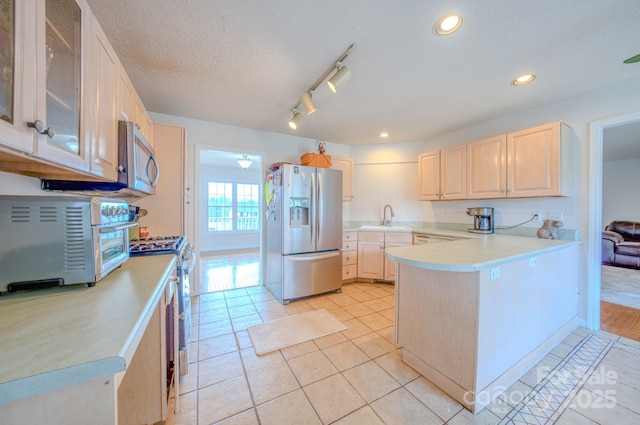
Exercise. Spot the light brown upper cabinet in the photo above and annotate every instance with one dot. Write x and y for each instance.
(525, 163)
(534, 162)
(487, 162)
(346, 165)
(538, 161)
(59, 93)
(443, 173)
(104, 128)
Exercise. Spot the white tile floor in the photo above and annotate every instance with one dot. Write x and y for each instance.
(357, 377)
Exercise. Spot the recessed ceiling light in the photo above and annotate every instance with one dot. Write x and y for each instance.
(523, 79)
(384, 134)
(447, 24)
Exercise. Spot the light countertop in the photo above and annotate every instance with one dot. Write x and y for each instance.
(57, 337)
(475, 253)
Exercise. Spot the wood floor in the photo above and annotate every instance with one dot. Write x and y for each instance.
(620, 320)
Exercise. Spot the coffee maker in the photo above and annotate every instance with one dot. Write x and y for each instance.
(482, 219)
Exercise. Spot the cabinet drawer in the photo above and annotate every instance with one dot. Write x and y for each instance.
(371, 236)
(349, 272)
(349, 258)
(349, 236)
(349, 245)
(398, 237)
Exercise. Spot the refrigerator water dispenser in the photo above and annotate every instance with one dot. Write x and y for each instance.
(298, 211)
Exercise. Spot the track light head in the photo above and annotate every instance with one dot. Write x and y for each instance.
(339, 78)
(307, 102)
(295, 120)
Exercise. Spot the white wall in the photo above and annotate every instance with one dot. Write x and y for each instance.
(621, 190)
(211, 241)
(385, 174)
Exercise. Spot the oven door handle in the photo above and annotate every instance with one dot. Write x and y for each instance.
(108, 229)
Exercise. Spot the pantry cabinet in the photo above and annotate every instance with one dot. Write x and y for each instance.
(171, 192)
(442, 174)
(346, 166)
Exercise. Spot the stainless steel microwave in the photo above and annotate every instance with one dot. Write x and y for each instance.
(138, 170)
(58, 241)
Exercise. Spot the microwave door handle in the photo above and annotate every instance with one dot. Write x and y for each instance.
(155, 180)
(108, 229)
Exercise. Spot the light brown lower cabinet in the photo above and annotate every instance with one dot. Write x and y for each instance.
(143, 392)
(372, 264)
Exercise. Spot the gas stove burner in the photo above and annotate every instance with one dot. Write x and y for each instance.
(157, 245)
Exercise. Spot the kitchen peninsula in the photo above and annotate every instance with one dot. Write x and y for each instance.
(76, 354)
(473, 315)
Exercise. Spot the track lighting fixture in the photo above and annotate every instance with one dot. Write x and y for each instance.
(307, 102)
(295, 119)
(244, 161)
(342, 75)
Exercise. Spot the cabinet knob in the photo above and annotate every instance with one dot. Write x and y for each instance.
(42, 129)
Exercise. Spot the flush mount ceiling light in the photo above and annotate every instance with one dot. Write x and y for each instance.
(447, 25)
(384, 134)
(523, 79)
(244, 162)
(295, 119)
(307, 102)
(341, 76)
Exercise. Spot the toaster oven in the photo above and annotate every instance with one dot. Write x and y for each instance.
(57, 241)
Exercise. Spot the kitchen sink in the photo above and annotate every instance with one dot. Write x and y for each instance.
(380, 228)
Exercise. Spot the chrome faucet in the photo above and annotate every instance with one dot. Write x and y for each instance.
(387, 221)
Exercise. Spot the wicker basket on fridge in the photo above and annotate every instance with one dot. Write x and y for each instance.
(316, 160)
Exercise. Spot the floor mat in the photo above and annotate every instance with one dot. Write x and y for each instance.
(281, 333)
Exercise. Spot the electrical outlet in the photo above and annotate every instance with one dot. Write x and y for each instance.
(554, 215)
(533, 261)
(537, 216)
(495, 273)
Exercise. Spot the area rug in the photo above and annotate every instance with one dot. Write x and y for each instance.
(620, 286)
(281, 333)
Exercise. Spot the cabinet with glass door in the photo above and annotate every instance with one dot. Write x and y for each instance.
(63, 48)
(16, 64)
(44, 84)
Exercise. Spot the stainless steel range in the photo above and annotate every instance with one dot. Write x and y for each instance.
(177, 245)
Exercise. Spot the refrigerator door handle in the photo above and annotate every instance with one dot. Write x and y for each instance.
(312, 257)
(318, 208)
(314, 211)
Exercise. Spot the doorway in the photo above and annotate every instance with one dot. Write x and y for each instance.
(228, 219)
(597, 137)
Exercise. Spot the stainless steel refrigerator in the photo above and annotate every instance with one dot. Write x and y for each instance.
(303, 231)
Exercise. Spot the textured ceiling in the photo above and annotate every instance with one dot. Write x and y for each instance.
(246, 62)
